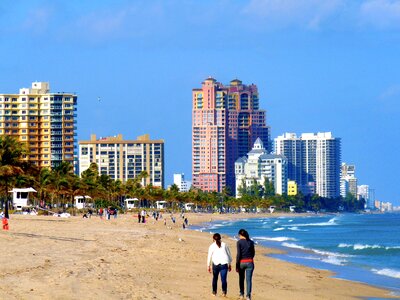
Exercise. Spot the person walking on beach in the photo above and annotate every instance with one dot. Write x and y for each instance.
(245, 262)
(101, 213)
(219, 262)
(143, 214)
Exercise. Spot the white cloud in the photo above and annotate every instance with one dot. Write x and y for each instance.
(383, 14)
(127, 21)
(391, 92)
(305, 13)
(37, 20)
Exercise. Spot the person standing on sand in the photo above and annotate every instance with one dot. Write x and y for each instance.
(143, 214)
(219, 262)
(245, 262)
(101, 213)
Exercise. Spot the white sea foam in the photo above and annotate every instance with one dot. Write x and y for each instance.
(275, 239)
(366, 246)
(331, 222)
(279, 229)
(326, 255)
(295, 228)
(276, 222)
(387, 272)
(290, 221)
(294, 246)
(333, 260)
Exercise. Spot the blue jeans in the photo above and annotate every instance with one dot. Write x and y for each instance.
(217, 269)
(246, 270)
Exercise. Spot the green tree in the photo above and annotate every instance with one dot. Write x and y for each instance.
(269, 189)
(242, 189)
(59, 181)
(11, 164)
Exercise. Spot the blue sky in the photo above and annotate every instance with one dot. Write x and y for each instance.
(330, 65)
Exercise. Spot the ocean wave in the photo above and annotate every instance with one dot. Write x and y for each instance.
(366, 246)
(295, 228)
(333, 260)
(331, 222)
(325, 254)
(275, 239)
(294, 246)
(279, 229)
(387, 272)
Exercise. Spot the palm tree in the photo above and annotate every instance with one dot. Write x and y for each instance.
(172, 194)
(11, 164)
(90, 181)
(60, 180)
(42, 184)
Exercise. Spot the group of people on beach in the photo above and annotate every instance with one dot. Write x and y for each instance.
(219, 261)
(108, 212)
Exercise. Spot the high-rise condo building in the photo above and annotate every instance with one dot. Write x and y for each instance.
(290, 146)
(226, 121)
(181, 183)
(259, 166)
(348, 180)
(364, 192)
(125, 159)
(313, 162)
(45, 121)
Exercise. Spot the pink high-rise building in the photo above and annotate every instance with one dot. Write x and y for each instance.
(226, 122)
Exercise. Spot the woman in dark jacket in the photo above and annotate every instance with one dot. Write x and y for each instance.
(245, 262)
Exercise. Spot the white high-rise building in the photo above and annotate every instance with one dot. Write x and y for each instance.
(348, 180)
(259, 165)
(183, 185)
(313, 161)
(363, 191)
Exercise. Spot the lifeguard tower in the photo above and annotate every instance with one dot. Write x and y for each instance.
(131, 203)
(21, 197)
(189, 206)
(161, 204)
(80, 202)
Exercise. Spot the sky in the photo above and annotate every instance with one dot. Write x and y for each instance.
(320, 65)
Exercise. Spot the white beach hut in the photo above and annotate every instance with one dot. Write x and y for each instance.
(161, 204)
(21, 197)
(189, 206)
(80, 201)
(131, 203)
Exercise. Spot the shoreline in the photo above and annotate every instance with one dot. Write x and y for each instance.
(281, 253)
(58, 258)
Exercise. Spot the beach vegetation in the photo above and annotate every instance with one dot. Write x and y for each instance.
(57, 187)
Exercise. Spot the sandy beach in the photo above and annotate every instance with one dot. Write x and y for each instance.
(44, 257)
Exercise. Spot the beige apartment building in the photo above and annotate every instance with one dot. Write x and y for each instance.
(45, 121)
(124, 159)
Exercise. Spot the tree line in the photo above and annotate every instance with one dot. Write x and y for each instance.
(59, 186)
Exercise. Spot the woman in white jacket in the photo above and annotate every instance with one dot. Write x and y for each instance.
(219, 262)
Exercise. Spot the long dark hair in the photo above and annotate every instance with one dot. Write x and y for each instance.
(217, 239)
(245, 234)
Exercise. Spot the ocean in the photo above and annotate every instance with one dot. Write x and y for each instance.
(358, 247)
